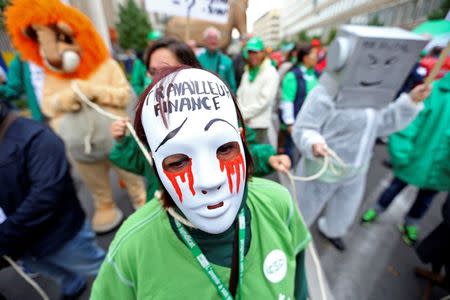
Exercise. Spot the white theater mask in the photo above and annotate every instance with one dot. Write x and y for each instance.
(199, 157)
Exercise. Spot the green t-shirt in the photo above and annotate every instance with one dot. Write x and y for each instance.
(19, 82)
(289, 83)
(147, 260)
(289, 87)
(139, 78)
(253, 72)
(221, 64)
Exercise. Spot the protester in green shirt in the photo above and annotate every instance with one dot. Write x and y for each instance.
(140, 78)
(257, 91)
(126, 153)
(214, 60)
(215, 232)
(24, 77)
(295, 86)
(420, 156)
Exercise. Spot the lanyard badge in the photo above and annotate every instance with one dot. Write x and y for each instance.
(205, 264)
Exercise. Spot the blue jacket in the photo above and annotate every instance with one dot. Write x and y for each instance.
(36, 191)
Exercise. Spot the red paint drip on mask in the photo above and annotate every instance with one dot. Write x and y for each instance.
(233, 167)
(182, 174)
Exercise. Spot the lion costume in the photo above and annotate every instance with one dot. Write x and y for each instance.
(63, 41)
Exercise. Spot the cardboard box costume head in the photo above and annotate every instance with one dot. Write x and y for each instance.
(55, 36)
(370, 64)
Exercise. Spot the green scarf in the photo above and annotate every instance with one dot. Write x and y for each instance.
(253, 72)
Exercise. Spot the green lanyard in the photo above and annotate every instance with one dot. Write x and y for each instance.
(204, 263)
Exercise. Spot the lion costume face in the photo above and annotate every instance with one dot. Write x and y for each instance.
(55, 36)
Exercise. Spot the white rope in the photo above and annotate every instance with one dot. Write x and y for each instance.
(327, 164)
(27, 278)
(311, 246)
(320, 275)
(179, 217)
(323, 169)
(173, 212)
(107, 114)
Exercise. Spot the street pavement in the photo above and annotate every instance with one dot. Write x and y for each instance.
(376, 265)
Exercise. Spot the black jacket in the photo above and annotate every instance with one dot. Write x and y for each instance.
(446, 211)
(36, 191)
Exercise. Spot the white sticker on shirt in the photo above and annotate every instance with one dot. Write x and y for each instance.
(275, 266)
(2, 216)
(283, 297)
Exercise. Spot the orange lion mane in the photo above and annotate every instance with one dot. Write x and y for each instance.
(23, 13)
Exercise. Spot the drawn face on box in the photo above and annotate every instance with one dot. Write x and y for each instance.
(379, 62)
(371, 69)
(199, 156)
(371, 62)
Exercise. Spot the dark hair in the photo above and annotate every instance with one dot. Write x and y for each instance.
(435, 51)
(303, 49)
(160, 76)
(183, 52)
(291, 54)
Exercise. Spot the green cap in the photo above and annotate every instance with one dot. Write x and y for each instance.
(153, 35)
(254, 44)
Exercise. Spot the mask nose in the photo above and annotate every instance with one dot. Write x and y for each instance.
(210, 178)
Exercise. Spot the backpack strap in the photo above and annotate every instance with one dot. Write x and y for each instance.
(300, 95)
(297, 72)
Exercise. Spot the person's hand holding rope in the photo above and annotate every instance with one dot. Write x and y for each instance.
(280, 163)
(320, 150)
(329, 157)
(119, 128)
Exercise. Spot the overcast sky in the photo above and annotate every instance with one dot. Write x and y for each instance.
(256, 8)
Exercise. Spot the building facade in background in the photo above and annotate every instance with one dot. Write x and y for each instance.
(268, 28)
(318, 17)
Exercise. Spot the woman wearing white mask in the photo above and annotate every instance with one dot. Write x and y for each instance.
(216, 233)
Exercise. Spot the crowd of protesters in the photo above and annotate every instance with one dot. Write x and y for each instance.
(43, 225)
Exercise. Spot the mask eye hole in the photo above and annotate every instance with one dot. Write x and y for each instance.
(228, 151)
(176, 163)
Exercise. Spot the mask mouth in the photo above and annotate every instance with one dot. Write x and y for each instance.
(212, 211)
(220, 204)
(369, 84)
